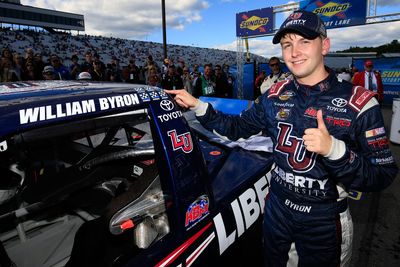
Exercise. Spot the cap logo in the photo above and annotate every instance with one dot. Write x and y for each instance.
(295, 15)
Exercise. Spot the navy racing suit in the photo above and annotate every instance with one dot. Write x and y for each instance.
(306, 218)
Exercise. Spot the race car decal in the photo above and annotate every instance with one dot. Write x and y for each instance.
(197, 252)
(249, 209)
(3, 146)
(182, 248)
(181, 141)
(197, 211)
(67, 109)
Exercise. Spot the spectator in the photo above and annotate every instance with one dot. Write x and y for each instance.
(113, 72)
(6, 53)
(98, 74)
(59, 68)
(50, 74)
(344, 75)
(229, 78)
(259, 80)
(370, 79)
(205, 84)
(87, 65)
(221, 83)
(181, 65)
(30, 73)
(171, 80)
(153, 79)
(131, 72)
(276, 75)
(75, 67)
(7, 71)
(29, 54)
(187, 80)
(19, 65)
(39, 64)
(165, 66)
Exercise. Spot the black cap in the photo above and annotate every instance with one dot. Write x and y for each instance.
(305, 23)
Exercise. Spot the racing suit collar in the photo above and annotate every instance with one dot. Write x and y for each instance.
(322, 86)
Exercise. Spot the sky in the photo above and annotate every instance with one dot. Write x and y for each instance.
(207, 23)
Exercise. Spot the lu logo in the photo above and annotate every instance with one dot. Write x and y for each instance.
(181, 141)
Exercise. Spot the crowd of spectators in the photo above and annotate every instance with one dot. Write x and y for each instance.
(33, 55)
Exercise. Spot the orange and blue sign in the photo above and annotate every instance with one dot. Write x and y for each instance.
(254, 22)
(338, 13)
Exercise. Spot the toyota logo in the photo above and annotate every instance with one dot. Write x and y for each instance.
(339, 102)
(166, 105)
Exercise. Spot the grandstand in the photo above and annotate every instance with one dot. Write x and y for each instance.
(47, 41)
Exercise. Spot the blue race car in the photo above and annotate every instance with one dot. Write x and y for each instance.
(109, 174)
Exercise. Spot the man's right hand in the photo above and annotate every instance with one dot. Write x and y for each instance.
(183, 98)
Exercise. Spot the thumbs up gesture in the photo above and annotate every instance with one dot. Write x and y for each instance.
(318, 139)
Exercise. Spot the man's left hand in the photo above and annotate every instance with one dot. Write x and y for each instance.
(318, 140)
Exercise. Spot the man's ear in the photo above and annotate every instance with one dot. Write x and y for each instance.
(326, 44)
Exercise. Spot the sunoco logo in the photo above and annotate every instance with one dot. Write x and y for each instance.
(331, 9)
(253, 23)
(166, 105)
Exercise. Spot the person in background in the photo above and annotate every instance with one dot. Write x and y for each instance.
(205, 84)
(276, 75)
(59, 68)
(75, 67)
(98, 73)
(39, 64)
(30, 73)
(131, 73)
(187, 80)
(370, 79)
(153, 78)
(50, 74)
(7, 71)
(259, 80)
(307, 221)
(221, 83)
(87, 65)
(171, 80)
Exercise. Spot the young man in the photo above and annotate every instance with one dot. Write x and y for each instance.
(325, 136)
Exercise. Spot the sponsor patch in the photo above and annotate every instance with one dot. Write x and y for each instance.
(375, 132)
(286, 95)
(382, 161)
(378, 143)
(283, 114)
(311, 112)
(339, 122)
(197, 211)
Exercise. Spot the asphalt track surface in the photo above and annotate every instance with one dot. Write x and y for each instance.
(376, 219)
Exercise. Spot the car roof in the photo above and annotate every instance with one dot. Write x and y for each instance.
(28, 105)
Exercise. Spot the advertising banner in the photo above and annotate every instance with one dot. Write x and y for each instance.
(389, 69)
(338, 13)
(254, 22)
